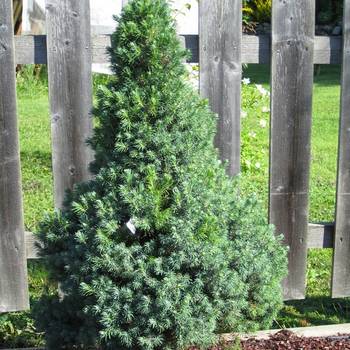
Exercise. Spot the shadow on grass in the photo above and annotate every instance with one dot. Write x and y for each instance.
(315, 311)
(40, 157)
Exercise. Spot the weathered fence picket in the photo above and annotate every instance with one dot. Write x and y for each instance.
(291, 108)
(341, 263)
(13, 264)
(70, 90)
(221, 71)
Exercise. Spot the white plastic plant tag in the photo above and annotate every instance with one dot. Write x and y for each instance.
(131, 227)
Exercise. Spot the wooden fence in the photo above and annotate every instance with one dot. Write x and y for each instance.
(292, 50)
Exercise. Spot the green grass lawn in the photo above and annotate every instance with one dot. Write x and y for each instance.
(318, 308)
(35, 156)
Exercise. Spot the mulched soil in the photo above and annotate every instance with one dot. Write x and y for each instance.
(286, 340)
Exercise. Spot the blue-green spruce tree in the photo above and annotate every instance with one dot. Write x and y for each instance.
(158, 251)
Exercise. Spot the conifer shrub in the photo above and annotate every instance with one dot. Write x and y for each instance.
(158, 251)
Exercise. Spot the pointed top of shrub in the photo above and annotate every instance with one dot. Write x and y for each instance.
(145, 42)
(148, 98)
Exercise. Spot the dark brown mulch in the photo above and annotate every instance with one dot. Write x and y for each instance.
(286, 340)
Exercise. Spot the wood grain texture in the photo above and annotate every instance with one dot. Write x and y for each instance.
(31, 246)
(291, 109)
(221, 72)
(341, 263)
(30, 49)
(70, 90)
(321, 236)
(13, 265)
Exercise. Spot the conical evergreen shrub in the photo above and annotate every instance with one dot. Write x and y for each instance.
(158, 251)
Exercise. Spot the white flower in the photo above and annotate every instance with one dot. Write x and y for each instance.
(257, 165)
(246, 81)
(263, 123)
(252, 134)
(244, 114)
(265, 109)
(248, 163)
(262, 90)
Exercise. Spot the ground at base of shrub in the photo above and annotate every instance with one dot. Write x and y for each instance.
(283, 340)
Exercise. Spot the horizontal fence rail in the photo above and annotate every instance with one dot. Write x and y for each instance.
(320, 236)
(31, 49)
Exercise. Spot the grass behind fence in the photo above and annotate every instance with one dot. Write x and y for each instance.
(37, 185)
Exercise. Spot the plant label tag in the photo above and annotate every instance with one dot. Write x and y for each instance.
(131, 227)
